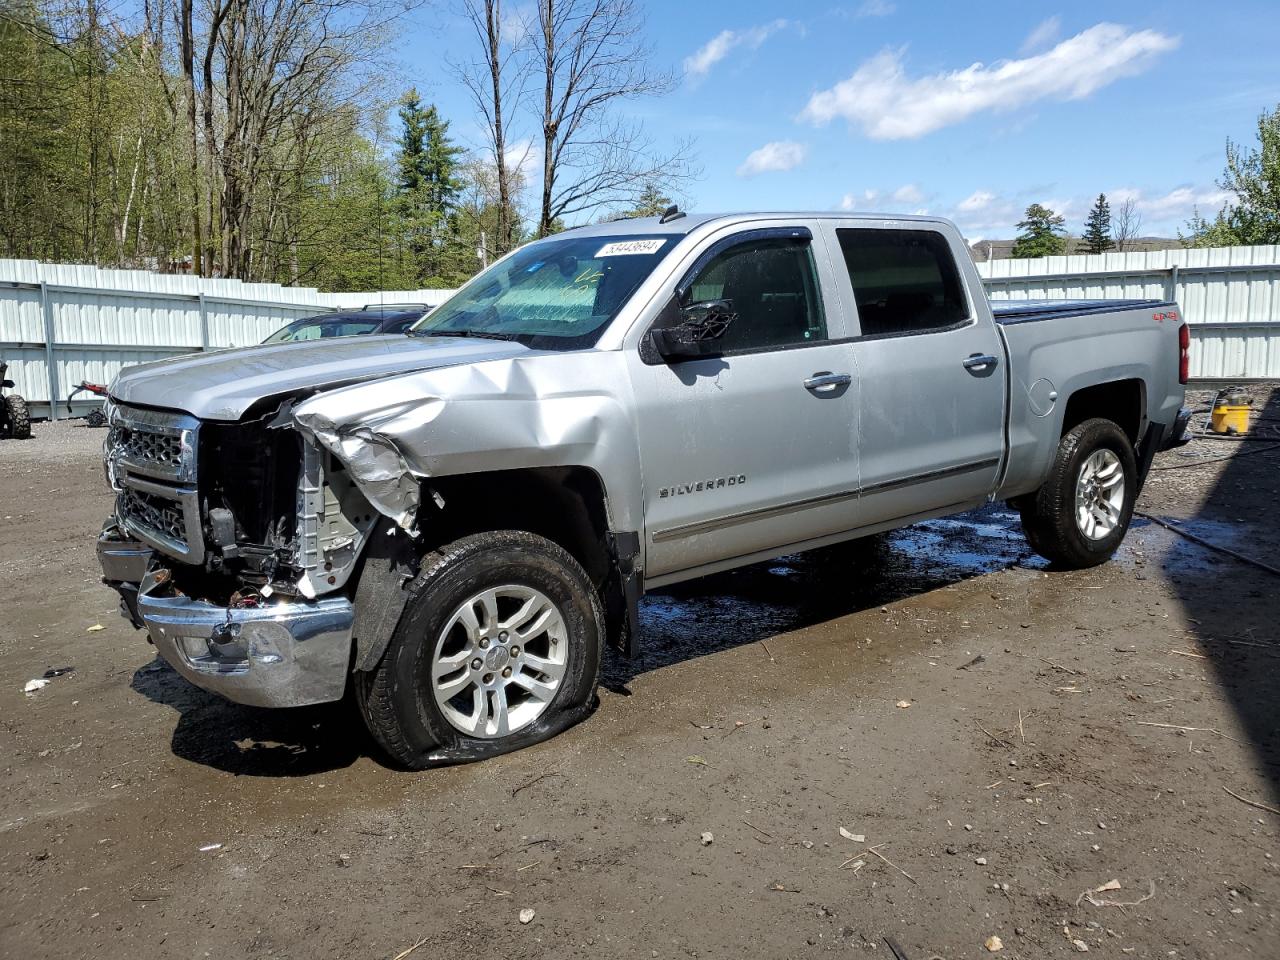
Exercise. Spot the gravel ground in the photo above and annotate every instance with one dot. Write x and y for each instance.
(999, 742)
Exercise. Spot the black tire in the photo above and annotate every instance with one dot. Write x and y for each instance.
(396, 698)
(1049, 515)
(19, 417)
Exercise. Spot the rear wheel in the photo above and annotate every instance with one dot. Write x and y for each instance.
(1081, 513)
(498, 648)
(19, 417)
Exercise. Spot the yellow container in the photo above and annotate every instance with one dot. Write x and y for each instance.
(1229, 418)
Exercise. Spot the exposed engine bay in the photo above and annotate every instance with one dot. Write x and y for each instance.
(250, 509)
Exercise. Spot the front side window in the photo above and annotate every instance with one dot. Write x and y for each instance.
(904, 281)
(556, 294)
(773, 287)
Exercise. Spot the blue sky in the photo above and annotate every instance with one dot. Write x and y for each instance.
(970, 111)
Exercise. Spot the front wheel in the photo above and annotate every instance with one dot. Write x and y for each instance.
(1081, 513)
(498, 648)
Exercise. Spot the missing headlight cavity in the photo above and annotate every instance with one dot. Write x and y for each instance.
(279, 512)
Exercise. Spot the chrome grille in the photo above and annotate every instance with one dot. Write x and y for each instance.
(156, 513)
(151, 463)
(141, 446)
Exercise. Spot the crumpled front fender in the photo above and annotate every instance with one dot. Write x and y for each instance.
(538, 410)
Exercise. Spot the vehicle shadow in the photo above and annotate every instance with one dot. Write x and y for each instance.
(753, 603)
(1234, 607)
(253, 741)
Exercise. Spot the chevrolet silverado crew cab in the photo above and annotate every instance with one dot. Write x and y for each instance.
(454, 524)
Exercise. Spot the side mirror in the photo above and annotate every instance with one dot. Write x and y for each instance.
(7, 383)
(701, 325)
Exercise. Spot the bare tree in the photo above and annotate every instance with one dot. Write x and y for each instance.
(283, 64)
(591, 56)
(1126, 224)
(496, 84)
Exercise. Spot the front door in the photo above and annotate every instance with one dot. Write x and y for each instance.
(752, 450)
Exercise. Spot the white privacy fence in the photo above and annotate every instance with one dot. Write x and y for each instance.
(1229, 295)
(64, 323)
(60, 324)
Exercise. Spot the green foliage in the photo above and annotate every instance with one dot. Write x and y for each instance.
(96, 167)
(1252, 176)
(427, 186)
(1097, 227)
(652, 202)
(1040, 234)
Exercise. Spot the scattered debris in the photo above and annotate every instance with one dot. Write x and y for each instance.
(210, 847)
(972, 663)
(874, 852)
(759, 831)
(903, 704)
(1110, 885)
(537, 779)
(57, 672)
(895, 949)
(527, 915)
(980, 861)
(855, 837)
(993, 944)
(344, 860)
(97, 627)
(1080, 945)
(408, 950)
(1174, 726)
(1252, 803)
(707, 838)
(35, 685)
(698, 760)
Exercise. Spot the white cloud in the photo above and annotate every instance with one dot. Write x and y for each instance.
(908, 193)
(773, 157)
(1163, 213)
(724, 42)
(978, 200)
(876, 8)
(889, 105)
(1045, 33)
(1176, 206)
(522, 157)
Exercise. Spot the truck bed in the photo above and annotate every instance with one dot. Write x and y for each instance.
(1026, 311)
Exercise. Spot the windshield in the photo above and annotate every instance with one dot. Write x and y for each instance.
(557, 294)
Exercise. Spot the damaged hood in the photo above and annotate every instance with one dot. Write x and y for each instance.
(223, 384)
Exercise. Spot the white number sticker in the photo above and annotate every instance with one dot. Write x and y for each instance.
(624, 248)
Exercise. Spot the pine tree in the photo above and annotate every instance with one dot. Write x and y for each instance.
(427, 186)
(1097, 227)
(652, 202)
(1041, 234)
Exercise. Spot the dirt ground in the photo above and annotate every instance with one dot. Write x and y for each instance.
(998, 739)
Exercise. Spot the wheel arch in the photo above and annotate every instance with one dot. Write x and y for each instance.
(1123, 401)
(567, 505)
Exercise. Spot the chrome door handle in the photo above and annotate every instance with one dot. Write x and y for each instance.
(826, 381)
(979, 361)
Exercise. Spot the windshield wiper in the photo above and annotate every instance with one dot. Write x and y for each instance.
(479, 334)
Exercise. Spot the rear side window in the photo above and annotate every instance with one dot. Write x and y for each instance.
(774, 289)
(904, 281)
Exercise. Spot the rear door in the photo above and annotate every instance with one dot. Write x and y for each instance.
(929, 366)
(752, 450)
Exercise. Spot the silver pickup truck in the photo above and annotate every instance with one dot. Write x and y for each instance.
(454, 524)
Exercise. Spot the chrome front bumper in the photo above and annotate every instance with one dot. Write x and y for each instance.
(277, 655)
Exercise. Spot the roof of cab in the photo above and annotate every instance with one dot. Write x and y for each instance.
(692, 221)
